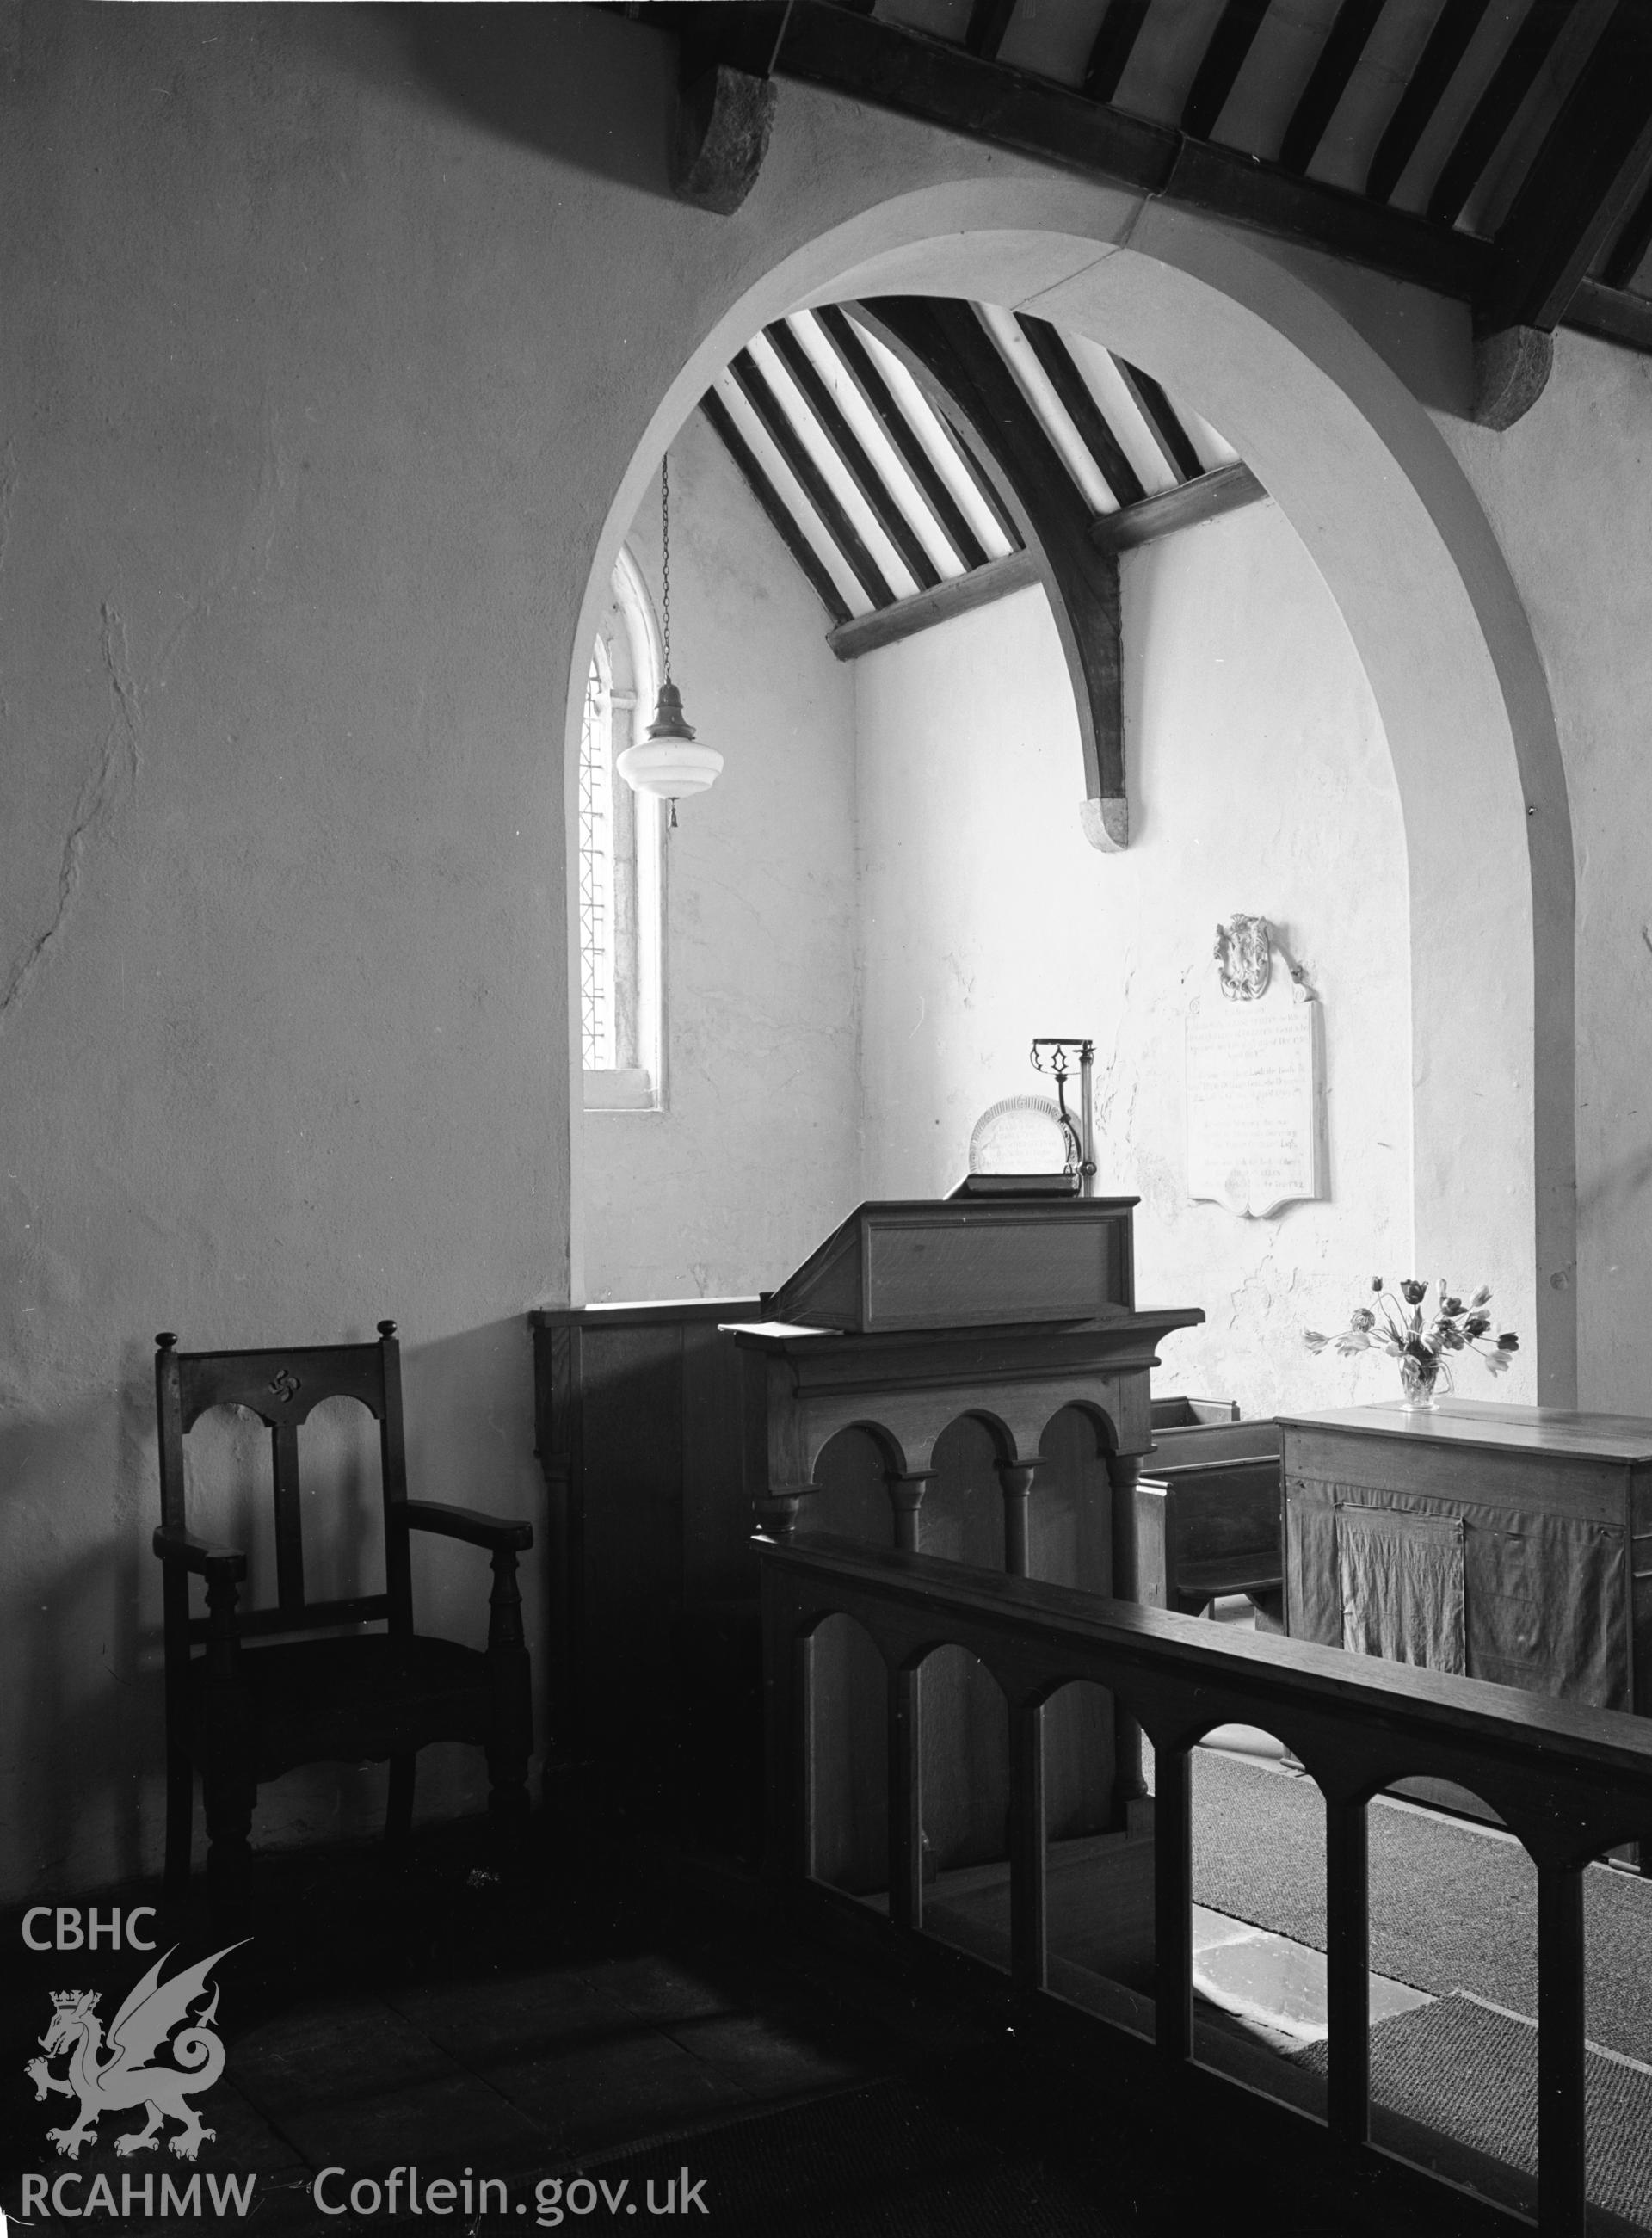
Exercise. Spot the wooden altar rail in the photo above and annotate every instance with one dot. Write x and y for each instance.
(1568, 1782)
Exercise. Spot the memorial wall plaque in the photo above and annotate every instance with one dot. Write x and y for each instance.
(1254, 1117)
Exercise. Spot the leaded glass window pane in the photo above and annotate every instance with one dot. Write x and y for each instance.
(597, 871)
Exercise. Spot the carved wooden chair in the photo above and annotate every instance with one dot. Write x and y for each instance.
(244, 1702)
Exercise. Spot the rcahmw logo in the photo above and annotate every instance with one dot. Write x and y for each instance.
(160, 2051)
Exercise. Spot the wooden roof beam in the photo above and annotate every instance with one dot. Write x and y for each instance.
(777, 513)
(1159, 414)
(879, 63)
(960, 370)
(852, 456)
(778, 427)
(1224, 489)
(1114, 42)
(1082, 409)
(1437, 65)
(1628, 250)
(1495, 111)
(989, 21)
(1345, 42)
(1588, 172)
(1222, 60)
(856, 362)
(983, 586)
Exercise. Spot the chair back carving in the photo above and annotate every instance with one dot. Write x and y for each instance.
(283, 1387)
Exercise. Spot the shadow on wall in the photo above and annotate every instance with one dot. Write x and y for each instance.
(522, 75)
(1613, 1190)
(88, 1663)
(86, 1801)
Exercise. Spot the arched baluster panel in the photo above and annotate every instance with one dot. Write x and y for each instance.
(964, 1759)
(1455, 1905)
(1098, 1866)
(848, 1757)
(1071, 1544)
(1070, 1539)
(963, 1508)
(851, 1477)
(1259, 1910)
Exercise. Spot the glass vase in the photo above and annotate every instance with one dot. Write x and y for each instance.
(1419, 1380)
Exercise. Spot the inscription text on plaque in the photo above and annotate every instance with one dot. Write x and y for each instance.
(1253, 1102)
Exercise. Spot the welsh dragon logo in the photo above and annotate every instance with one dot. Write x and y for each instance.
(128, 2076)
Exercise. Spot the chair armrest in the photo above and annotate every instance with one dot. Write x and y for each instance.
(196, 1554)
(477, 1530)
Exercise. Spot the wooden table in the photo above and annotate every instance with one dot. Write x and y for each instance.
(1554, 1510)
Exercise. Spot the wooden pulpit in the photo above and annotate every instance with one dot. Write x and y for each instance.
(989, 1354)
(967, 1377)
(914, 1315)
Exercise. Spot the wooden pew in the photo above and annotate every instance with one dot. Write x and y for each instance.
(1208, 1507)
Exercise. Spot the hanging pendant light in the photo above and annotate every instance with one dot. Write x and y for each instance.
(668, 761)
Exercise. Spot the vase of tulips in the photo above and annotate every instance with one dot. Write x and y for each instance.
(1422, 1338)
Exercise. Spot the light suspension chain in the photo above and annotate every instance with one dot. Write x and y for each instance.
(665, 555)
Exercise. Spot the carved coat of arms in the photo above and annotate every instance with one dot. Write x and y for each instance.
(120, 2072)
(1244, 957)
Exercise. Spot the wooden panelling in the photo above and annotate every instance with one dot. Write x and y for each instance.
(1640, 1555)
(719, 1468)
(899, 1266)
(1213, 1442)
(1030, 1271)
(631, 1481)
(643, 1434)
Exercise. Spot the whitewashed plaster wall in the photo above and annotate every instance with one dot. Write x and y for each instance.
(1568, 492)
(756, 1154)
(339, 347)
(1259, 780)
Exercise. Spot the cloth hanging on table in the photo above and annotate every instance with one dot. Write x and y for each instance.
(1399, 1579)
(1542, 1602)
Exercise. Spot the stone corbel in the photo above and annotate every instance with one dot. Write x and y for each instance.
(1511, 369)
(724, 120)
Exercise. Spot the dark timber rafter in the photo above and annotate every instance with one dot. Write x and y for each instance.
(1080, 406)
(1629, 251)
(1110, 55)
(783, 436)
(1588, 172)
(989, 21)
(1224, 489)
(1447, 44)
(828, 471)
(960, 370)
(1560, 262)
(851, 456)
(779, 514)
(1235, 33)
(1495, 111)
(872, 60)
(1155, 408)
(1338, 58)
(856, 362)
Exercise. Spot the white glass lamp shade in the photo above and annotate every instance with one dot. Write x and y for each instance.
(669, 761)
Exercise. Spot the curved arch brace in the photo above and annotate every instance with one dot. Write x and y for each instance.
(964, 378)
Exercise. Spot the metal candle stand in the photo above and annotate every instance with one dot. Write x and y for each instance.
(1053, 1053)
